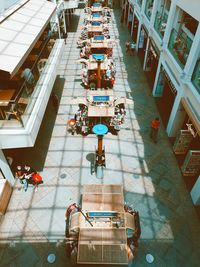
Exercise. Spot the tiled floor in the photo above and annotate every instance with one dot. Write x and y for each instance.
(34, 225)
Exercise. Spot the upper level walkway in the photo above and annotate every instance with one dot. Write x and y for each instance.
(34, 224)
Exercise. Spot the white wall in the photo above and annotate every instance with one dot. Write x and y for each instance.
(5, 4)
(192, 7)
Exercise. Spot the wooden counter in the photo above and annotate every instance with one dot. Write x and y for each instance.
(5, 194)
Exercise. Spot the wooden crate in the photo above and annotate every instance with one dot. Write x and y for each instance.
(5, 194)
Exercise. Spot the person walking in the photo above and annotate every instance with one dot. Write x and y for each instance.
(128, 47)
(65, 35)
(155, 124)
(132, 48)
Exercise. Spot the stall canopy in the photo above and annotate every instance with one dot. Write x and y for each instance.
(20, 31)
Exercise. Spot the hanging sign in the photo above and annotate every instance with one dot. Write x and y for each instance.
(182, 142)
(191, 165)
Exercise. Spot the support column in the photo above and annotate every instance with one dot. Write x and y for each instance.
(124, 6)
(146, 53)
(129, 9)
(58, 23)
(64, 20)
(172, 126)
(5, 168)
(138, 34)
(153, 13)
(170, 22)
(132, 23)
(98, 74)
(157, 76)
(195, 193)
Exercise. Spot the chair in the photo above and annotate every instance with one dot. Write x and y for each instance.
(40, 65)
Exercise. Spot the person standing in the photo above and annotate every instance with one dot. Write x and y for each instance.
(127, 44)
(155, 124)
(132, 48)
(65, 35)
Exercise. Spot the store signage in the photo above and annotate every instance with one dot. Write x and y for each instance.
(101, 98)
(191, 165)
(102, 214)
(182, 142)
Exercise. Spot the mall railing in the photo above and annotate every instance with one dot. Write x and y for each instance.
(196, 76)
(160, 23)
(148, 8)
(26, 97)
(179, 46)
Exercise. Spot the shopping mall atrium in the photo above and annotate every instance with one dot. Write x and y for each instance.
(99, 133)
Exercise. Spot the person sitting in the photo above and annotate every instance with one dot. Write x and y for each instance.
(19, 174)
(27, 75)
(108, 73)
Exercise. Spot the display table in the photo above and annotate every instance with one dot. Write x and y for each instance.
(5, 194)
(106, 241)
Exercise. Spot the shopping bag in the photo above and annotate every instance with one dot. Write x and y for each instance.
(37, 177)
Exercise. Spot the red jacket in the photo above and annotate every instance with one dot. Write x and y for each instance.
(155, 124)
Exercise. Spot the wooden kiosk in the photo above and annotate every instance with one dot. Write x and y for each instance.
(104, 229)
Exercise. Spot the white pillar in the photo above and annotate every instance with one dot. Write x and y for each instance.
(173, 126)
(157, 76)
(125, 11)
(5, 168)
(138, 33)
(195, 193)
(170, 24)
(146, 53)
(153, 13)
(132, 21)
(129, 9)
(58, 24)
(65, 26)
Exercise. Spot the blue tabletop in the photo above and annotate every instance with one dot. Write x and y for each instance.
(98, 56)
(96, 5)
(98, 37)
(96, 23)
(96, 15)
(100, 129)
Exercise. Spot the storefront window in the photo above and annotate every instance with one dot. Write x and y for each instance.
(196, 76)
(148, 8)
(160, 23)
(179, 46)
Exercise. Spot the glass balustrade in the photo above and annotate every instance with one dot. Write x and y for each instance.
(26, 96)
(196, 76)
(179, 46)
(160, 23)
(148, 8)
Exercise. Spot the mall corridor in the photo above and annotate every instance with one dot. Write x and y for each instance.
(34, 225)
